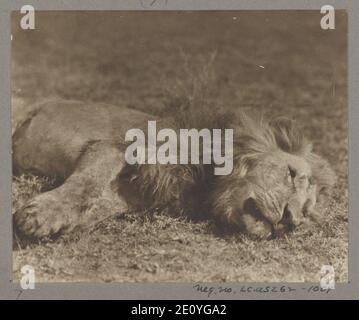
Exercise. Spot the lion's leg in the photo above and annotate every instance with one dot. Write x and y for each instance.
(85, 198)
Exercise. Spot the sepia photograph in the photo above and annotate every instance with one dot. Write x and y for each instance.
(180, 146)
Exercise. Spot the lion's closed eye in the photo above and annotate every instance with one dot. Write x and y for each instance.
(291, 172)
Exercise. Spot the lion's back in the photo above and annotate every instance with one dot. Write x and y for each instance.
(54, 133)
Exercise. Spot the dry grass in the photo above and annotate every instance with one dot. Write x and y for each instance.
(130, 61)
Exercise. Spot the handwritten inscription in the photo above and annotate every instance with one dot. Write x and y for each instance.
(222, 290)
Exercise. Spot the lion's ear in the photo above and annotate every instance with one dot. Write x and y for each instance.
(323, 176)
(289, 136)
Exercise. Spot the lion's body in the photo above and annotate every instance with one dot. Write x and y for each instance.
(53, 135)
(82, 146)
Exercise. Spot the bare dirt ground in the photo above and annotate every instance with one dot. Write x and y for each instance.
(276, 62)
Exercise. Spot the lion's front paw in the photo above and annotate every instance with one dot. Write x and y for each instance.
(42, 217)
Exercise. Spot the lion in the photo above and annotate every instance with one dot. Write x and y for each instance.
(277, 182)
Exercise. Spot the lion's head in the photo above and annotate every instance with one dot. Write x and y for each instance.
(277, 181)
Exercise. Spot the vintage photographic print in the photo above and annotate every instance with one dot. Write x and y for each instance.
(180, 146)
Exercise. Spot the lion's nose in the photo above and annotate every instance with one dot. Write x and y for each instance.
(290, 218)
